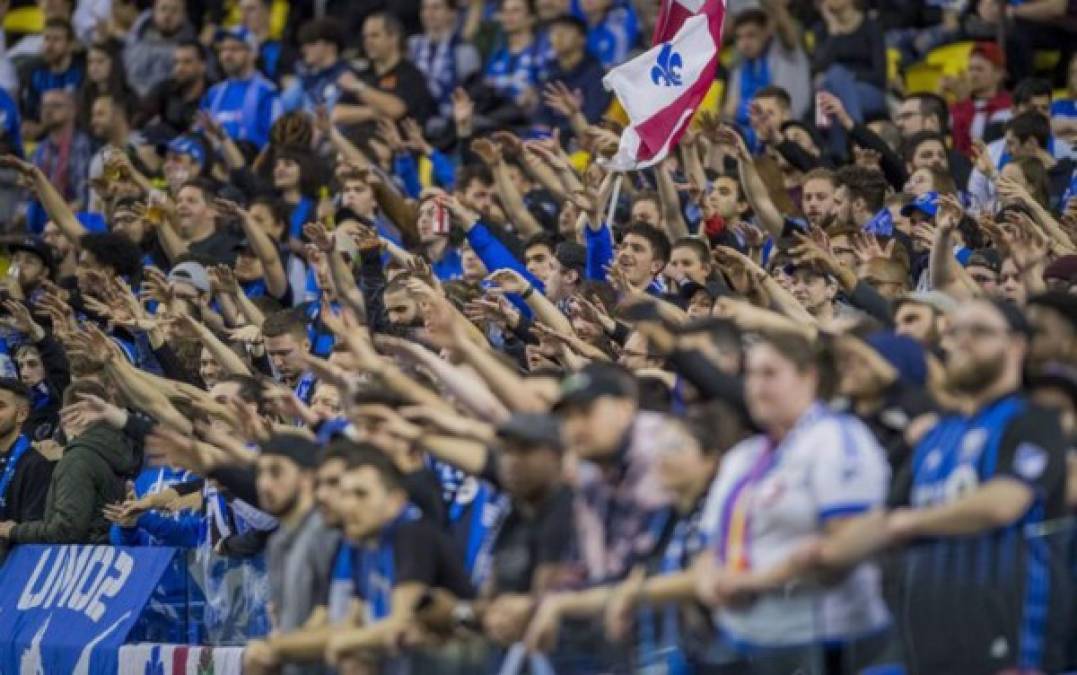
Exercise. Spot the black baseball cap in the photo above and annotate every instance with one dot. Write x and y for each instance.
(296, 447)
(985, 257)
(1060, 301)
(34, 245)
(712, 288)
(532, 430)
(594, 381)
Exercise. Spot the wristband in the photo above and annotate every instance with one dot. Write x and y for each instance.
(527, 294)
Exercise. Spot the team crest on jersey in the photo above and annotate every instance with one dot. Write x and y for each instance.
(933, 459)
(962, 481)
(973, 443)
(1029, 461)
(467, 491)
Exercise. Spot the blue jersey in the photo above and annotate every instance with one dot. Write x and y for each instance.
(612, 38)
(246, 109)
(43, 79)
(374, 570)
(10, 124)
(165, 618)
(665, 633)
(513, 73)
(1012, 579)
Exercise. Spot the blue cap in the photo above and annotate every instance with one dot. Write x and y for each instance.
(926, 203)
(903, 353)
(185, 145)
(239, 33)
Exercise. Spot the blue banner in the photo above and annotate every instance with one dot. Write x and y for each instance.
(67, 609)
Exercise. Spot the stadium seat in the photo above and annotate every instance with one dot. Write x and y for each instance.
(24, 20)
(1046, 61)
(951, 59)
(923, 78)
(893, 64)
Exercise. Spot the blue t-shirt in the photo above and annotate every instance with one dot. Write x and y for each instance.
(246, 109)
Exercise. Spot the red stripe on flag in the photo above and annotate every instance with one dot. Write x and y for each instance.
(179, 660)
(670, 122)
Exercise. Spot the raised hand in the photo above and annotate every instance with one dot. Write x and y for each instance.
(509, 142)
(559, 98)
(834, 109)
(508, 281)
(949, 213)
(414, 139)
(463, 110)
(390, 134)
(319, 236)
(488, 151)
(18, 318)
(734, 144)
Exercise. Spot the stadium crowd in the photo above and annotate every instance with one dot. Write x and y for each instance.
(341, 297)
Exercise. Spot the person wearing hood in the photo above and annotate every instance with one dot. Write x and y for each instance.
(96, 463)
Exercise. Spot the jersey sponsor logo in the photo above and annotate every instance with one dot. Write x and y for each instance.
(1029, 461)
(961, 481)
(973, 443)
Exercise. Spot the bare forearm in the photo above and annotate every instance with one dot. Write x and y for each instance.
(759, 199)
(671, 205)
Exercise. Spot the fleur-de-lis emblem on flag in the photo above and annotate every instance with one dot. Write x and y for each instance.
(667, 69)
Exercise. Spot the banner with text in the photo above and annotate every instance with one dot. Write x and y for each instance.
(67, 609)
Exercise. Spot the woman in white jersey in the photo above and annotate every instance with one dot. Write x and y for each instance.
(776, 496)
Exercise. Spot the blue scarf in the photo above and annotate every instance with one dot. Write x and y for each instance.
(14, 455)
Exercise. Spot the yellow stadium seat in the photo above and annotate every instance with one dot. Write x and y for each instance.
(1046, 60)
(712, 102)
(893, 64)
(24, 20)
(727, 56)
(278, 17)
(923, 78)
(951, 59)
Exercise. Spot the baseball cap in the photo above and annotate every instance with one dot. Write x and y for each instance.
(186, 145)
(1063, 268)
(191, 273)
(937, 300)
(903, 353)
(33, 245)
(238, 33)
(296, 447)
(712, 288)
(594, 381)
(532, 429)
(1060, 301)
(1055, 375)
(992, 52)
(985, 257)
(927, 203)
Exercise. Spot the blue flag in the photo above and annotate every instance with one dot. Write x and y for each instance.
(67, 609)
(882, 225)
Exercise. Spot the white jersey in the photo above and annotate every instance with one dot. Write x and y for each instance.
(766, 502)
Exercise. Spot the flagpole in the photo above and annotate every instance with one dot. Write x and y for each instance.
(613, 200)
